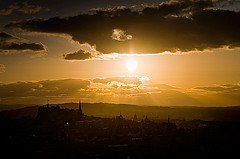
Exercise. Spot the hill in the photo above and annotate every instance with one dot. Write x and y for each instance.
(128, 111)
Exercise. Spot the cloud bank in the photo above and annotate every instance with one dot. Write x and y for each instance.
(224, 88)
(11, 43)
(173, 26)
(78, 55)
(45, 88)
(112, 89)
(23, 7)
(129, 90)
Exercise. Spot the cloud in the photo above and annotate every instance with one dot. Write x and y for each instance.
(133, 90)
(162, 86)
(125, 90)
(88, 52)
(224, 88)
(79, 55)
(124, 80)
(120, 35)
(5, 37)
(23, 7)
(11, 43)
(178, 7)
(117, 90)
(218, 95)
(65, 87)
(189, 25)
(2, 68)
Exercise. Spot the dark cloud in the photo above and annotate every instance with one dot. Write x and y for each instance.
(9, 42)
(23, 46)
(79, 55)
(23, 7)
(187, 25)
(178, 7)
(2, 68)
(4, 37)
(66, 87)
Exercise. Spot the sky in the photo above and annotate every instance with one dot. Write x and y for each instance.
(144, 52)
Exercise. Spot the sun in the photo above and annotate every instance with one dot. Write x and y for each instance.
(131, 64)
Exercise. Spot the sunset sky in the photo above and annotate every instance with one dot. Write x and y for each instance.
(145, 52)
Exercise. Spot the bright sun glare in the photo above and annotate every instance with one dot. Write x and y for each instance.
(131, 64)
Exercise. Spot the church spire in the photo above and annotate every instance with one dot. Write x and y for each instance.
(168, 119)
(80, 107)
(135, 117)
(146, 119)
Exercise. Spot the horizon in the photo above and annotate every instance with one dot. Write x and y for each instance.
(110, 110)
(8, 107)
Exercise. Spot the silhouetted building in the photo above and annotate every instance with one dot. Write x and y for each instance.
(47, 104)
(120, 117)
(146, 119)
(168, 120)
(135, 117)
(56, 114)
(80, 108)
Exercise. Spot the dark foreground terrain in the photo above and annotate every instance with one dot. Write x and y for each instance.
(64, 133)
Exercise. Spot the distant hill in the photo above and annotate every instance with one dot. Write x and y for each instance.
(128, 111)
(159, 113)
(4, 107)
(29, 112)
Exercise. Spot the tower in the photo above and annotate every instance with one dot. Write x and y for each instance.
(135, 117)
(168, 120)
(47, 104)
(80, 107)
(146, 119)
(120, 116)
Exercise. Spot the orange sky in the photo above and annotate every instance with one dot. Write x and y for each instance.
(175, 67)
